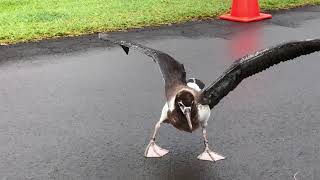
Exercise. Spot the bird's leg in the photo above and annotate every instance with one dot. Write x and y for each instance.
(153, 150)
(208, 155)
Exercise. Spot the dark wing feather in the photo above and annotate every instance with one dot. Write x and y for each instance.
(255, 63)
(173, 72)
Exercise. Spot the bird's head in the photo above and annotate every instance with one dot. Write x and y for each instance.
(184, 102)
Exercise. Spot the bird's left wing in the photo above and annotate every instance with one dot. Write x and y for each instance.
(172, 71)
(255, 63)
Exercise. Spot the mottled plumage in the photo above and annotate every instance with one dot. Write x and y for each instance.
(255, 63)
(189, 102)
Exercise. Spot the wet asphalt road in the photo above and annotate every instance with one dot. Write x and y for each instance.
(74, 109)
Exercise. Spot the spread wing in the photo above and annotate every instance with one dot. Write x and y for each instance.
(173, 72)
(255, 63)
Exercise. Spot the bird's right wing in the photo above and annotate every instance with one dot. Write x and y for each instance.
(255, 63)
(172, 71)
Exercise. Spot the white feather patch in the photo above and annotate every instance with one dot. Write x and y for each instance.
(204, 114)
(194, 86)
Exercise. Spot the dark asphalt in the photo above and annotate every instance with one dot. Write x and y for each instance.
(74, 109)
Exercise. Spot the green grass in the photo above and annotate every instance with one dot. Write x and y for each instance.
(25, 20)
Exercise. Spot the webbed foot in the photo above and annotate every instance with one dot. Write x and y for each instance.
(153, 150)
(209, 155)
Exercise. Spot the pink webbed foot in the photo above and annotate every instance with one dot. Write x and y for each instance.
(209, 155)
(153, 150)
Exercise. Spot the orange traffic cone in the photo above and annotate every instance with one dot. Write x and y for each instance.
(245, 11)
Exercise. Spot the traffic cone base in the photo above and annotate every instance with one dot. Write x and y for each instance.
(246, 19)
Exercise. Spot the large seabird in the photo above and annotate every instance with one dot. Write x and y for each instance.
(189, 104)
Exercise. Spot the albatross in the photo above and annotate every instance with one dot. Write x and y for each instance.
(189, 102)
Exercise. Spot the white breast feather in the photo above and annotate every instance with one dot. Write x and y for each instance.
(204, 114)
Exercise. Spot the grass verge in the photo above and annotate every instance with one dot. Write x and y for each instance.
(25, 20)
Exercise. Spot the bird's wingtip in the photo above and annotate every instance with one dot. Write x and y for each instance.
(107, 37)
(125, 48)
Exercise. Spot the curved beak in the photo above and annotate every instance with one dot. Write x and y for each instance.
(187, 114)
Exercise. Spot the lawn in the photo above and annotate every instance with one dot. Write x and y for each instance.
(25, 20)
